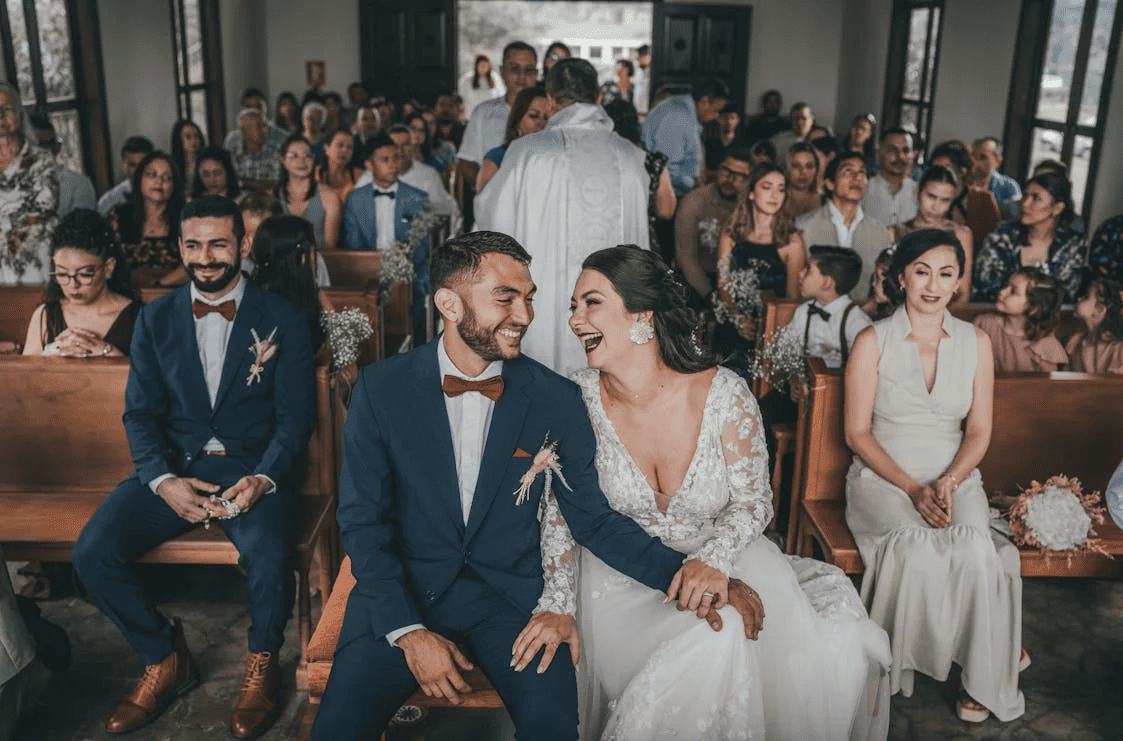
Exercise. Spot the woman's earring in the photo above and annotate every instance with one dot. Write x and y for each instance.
(641, 332)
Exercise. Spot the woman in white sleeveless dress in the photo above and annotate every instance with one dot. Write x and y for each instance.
(946, 588)
(680, 449)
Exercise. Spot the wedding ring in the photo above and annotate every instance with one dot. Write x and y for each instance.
(707, 593)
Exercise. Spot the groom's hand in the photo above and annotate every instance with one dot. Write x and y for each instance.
(699, 587)
(433, 660)
(549, 629)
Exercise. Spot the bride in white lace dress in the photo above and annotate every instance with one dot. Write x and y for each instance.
(680, 449)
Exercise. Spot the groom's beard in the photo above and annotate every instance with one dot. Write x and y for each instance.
(483, 340)
(228, 274)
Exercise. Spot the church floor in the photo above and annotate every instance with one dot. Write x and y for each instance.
(1073, 630)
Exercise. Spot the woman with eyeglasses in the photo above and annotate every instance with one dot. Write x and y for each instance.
(147, 224)
(88, 308)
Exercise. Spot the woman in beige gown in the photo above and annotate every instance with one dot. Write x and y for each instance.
(945, 588)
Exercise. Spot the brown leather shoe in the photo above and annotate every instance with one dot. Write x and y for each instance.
(257, 705)
(159, 686)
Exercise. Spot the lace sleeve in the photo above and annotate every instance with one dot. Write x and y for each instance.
(749, 509)
(559, 562)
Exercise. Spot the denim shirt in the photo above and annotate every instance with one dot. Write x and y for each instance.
(673, 130)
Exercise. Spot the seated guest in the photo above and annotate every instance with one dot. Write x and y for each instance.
(702, 215)
(804, 193)
(721, 137)
(88, 309)
(358, 97)
(312, 118)
(802, 122)
(367, 124)
(938, 188)
(1105, 251)
(333, 111)
(862, 137)
(337, 170)
(379, 214)
(300, 196)
(841, 220)
(226, 450)
(828, 321)
(423, 177)
(826, 148)
(973, 207)
(878, 305)
(1021, 331)
(75, 189)
(187, 143)
(529, 114)
(1099, 348)
(986, 158)
(254, 99)
(891, 194)
(256, 155)
(288, 113)
(215, 175)
(671, 129)
(147, 225)
(133, 151)
(256, 208)
(769, 121)
(1043, 235)
(945, 587)
(284, 252)
(764, 151)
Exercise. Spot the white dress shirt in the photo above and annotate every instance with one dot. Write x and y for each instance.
(845, 233)
(424, 177)
(823, 334)
(485, 130)
(384, 216)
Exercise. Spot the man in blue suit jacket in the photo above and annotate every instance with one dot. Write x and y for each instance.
(219, 403)
(371, 209)
(442, 551)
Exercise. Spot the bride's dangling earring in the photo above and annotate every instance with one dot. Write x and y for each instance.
(641, 332)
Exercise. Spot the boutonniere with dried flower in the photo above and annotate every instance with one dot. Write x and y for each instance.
(545, 461)
(262, 350)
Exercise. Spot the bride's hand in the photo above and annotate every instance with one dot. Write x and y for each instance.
(549, 629)
(745, 601)
(927, 503)
(698, 587)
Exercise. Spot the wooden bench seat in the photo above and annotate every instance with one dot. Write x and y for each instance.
(1043, 426)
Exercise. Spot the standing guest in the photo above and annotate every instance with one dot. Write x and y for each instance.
(187, 142)
(480, 85)
(703, 215)
(1043, 235)
(29, 196)
(674, 130)
(133, 151)
(88, 309)
(620, 87)
(300, 196)
(380, 213)
(337, 170)
(919, 394)
(238, 436)
(986, 158)
(1105, 251)
(661, 201)
(312, 119)
(215, 174)
(862, 137)
(841, 221)
(147, 225)
(566, 191)
(1099, 349)
(721, 137)
(256, 156)
(288, 113)
(804, 191)
(529, 114)
(75, 189)
(1021, 331)
(641, 79)
(891, 194)
(555, 52)
(938, 188)
(803, 119)
(769, 121)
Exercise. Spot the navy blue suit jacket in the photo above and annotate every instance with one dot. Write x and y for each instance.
(399, 499)
(168, 415)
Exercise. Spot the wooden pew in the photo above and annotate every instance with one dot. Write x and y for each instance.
(65, 449)
(1042, 426)
(358, 270)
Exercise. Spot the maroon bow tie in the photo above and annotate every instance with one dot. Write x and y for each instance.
(227, 308)
(454, 386)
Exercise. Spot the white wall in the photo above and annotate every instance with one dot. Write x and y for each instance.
(860, 74)
(298, 30)
(1109, 180)
(243, 53)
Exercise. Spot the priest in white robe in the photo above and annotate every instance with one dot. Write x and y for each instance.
(563, 193)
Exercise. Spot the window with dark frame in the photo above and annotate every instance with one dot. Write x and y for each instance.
(910, 80)
(198, 65)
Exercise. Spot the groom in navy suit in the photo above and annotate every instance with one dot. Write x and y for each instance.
(443, 553)
(218, 410)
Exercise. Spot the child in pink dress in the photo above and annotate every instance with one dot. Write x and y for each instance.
(1021, 331)
(1100, 348)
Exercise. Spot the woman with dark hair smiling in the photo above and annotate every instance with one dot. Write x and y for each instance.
(528, 115)
(147, 224)
(215, 175)
(337, 170)
(187, 143)
(300, 195)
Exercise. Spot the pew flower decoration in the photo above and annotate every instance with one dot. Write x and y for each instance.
(1057, 518)
(781, 360)
(743, 286)
(397, 261)
(545, 462)
(346, 331)
(262, 351)
(709, 231)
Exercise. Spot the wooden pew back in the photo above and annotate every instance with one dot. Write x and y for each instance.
(353, 268)
(777, 314)
(17, 304)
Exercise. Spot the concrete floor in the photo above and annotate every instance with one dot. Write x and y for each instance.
(1072, 628)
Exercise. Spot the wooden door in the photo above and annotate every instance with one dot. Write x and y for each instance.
(691, 42)
(408, 47)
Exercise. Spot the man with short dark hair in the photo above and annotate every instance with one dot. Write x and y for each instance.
(133, 151)
(986, 158)
(802, 121)
(769, 121)
(566, 191)
(218, 410)
(674, 129)
(891, 195)
(702, 214)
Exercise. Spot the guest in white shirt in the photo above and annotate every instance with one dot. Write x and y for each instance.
(135, 149)
(891, 195)
(828, 322)
(480, 85)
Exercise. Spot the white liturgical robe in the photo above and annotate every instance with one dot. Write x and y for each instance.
(563, 193)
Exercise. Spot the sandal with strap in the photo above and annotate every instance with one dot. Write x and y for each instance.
(970, 711)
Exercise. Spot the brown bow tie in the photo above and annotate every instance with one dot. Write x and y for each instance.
(454, 386)
(227, 308)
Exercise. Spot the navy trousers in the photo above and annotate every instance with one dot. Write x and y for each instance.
(370, 678)
(133, 520)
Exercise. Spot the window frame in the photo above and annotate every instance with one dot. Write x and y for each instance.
(894, 99)
(212, 87)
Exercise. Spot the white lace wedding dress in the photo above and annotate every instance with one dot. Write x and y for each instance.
(651, 672)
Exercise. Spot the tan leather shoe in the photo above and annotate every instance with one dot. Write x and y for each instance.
(159, 686)
(257, 705)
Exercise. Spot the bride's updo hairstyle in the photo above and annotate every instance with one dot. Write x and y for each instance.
(910, 249)
(645, 283)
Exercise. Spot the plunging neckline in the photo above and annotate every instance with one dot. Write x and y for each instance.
(686, 479)
(945, 335)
